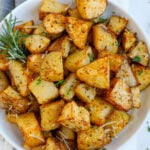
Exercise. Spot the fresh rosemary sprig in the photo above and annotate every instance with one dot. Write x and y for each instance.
(10, 42)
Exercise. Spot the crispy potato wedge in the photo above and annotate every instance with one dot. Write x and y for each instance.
(34, 62)
(67, 88)
(142, 74)
(19, 76)
(103, 39)
(128, 39)
(26, 27)
(119, 95)
(90, 9)
(12, 117)
(116, 122)
(96, 74)
(78, 31)
(49, 115)
(30, 129)
(43, 90)
(73, 12)
(85, 92)
(78, 59)
(54, 23)
(115, 60)
(139, 54)
(37, 43)
(99, 111)
(62, 44)
(93, 138)
(74, 117)
(3, 62)
(117, 24)
(126, 74)
(52, 6)
(52, 67)
(3, 81)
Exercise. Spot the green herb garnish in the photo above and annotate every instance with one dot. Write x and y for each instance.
(91, 56)
(59, 83)
(69, 90)
(102, 20)
(136, 59)
(103, 148)
(140, 72)
(148, 128)
(38, 81)
(10, 42)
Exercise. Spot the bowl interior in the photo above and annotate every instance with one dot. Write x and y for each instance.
(29, 10)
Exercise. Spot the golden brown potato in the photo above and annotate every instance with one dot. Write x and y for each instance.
(40, 147)
(37, 43)
(115, 60)
(3, 81)
(52, 67)
(119, 95)
(49, 115)
(99, 111)
(30, 129)
(139, 54)
(43, 90)
(78, 31)
(73, 12)
(96, 74)
(85, 92)
(34, 62)
(67, 88)
(78, 59)
(3, 62)
(19, 76)
(54, 23)
(62, 44)
(13, 102)
(26, 27)
(12, 117)
(126, 74)
(116, 122)
(52, 6)
(74, 117)
(128, 39)
(90, 9)
(103, 39)
(142, 74)
(93, 138)
(117, 24)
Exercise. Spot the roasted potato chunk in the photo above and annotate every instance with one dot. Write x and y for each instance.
(93, 138)
(74, 117)
(62, 44)
(78, 31)
(25, 27)
(37, 43)
(103, 39)
(12, 117)
(49, 115)
(99, 111)
(67, 88)
(19, 76)
(52, 6)
(78, 59)
(142, 74)
(34, 62)
(43, 90)
(119, 95)
(30, 129)
(140, 54)
(54, 23)
(96, 74)
(52, 67)
(116, 122)
(85, 92)
(128, 39)
(3, 81)
(117, 24)
(73, 12)
(90, 9)
(3, 62)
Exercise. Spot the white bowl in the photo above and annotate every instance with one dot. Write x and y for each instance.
(29, 10)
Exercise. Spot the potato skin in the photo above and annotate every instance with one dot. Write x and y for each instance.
(3, 81)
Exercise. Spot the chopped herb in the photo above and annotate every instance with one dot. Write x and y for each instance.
(103, 148)
(45, 34)
(59, 83)
(136, 59)
(70, 88)
(148, 128)
(140, 72)
(121, 52)
(113, 12)
(38, 81)
(102, 20)
(91, 56)
(147, 148)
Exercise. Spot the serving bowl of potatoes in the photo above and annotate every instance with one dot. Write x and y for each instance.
(81, 79)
